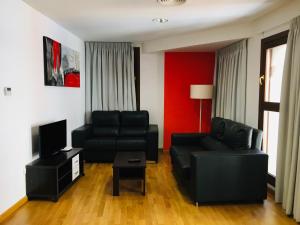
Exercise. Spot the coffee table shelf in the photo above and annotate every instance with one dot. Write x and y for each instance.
(123, 169)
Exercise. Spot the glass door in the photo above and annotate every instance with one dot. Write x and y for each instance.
(272, 62)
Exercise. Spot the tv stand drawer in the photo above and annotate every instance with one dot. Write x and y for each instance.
(75, 167)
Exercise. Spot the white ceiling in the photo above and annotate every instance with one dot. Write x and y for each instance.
(131, 20)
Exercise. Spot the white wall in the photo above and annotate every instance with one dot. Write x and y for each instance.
(152, 89)
(31, 103)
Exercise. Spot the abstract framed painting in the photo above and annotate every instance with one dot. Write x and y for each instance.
(61, 64)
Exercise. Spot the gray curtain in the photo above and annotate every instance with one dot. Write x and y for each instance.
(230, 82)
(109, 77)
(288, 156)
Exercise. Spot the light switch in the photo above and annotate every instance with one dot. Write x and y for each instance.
(7, 91)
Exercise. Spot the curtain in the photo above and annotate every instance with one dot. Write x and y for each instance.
(110, 83)
(287, 188)
(230, 82)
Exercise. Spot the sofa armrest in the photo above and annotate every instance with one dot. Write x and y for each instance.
(257, 136)
(187, 138)
(80, 134)
(152, 140)
(218, 176)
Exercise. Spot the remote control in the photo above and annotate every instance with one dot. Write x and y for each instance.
(133, 160)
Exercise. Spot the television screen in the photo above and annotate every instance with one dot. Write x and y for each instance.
(53, 138)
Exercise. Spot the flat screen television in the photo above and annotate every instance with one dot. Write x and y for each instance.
(53, 138)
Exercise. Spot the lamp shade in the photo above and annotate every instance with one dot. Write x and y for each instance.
(201, 91)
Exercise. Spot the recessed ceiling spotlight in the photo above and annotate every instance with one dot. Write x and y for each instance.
(171, 2)
(160, 20)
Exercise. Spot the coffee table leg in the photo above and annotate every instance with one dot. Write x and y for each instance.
(115, 182)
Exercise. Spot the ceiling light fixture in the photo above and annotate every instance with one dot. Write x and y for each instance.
(171, 2)
(160, 20)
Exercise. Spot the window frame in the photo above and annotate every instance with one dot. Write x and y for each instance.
(267, 43)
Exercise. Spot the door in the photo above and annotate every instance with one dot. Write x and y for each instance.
(271, 70)
(136, 56)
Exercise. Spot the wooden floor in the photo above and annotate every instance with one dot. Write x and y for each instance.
(89, 201)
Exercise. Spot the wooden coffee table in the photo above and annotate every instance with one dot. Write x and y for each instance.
(123, 169)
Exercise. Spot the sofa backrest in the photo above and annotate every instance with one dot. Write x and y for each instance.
(134, 123)
(115, 123)
(105, 123)
(237, 135)
(218, 128)
(233, 134)
(135, 119)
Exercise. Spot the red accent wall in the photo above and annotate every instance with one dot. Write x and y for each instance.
(181, 114)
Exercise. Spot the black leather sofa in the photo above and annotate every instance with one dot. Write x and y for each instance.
(114, 131)
(226, 165)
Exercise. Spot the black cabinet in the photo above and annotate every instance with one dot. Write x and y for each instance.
(50, 178)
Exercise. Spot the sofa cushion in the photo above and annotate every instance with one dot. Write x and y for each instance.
(237, 135)
(131, 144)
(100, 144)
(210, 143)
(133, 131)
(105, 131)
(135, 119)
(218, 128)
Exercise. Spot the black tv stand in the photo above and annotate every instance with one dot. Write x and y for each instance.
(50, 178)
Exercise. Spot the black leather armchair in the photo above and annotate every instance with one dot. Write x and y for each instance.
(114, 131)
(223, 166)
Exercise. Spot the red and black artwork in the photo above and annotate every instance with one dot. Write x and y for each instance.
(61, 64)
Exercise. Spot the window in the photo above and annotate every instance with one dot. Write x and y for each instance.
(272, 63)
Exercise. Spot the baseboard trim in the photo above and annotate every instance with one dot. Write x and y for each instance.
(13, 208)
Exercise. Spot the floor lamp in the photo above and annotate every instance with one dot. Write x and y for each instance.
(201, 91)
